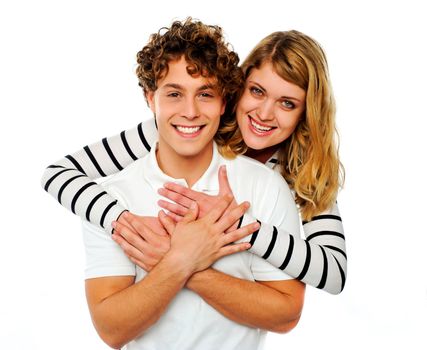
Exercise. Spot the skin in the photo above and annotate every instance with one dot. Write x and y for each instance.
(122, 309)
(272, 104)
(182, 103)
(269, 101)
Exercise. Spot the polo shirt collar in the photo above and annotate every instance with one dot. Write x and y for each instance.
(207, 183)
(273, 161)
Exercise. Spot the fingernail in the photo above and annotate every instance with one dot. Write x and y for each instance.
(114, 224)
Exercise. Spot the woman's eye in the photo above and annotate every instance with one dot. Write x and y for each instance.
(256, 91)
(288, 104)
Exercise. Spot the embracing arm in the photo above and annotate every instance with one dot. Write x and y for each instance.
(274, 304)
(70, 180)
(319, 260)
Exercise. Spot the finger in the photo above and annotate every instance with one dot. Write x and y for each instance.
(232, 249)
(192, 213)
(123, 219)
(123, 230)
(137, 239)
(143, 266)
(136, 223)
(185, 191)
(219, 208)
(127, 248)
(224, 185)
(174, 217)
(173, 208)
(240, 233)
(232, 216)
(167, 222)
(175, 197)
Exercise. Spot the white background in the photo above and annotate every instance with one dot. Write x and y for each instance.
(67, 79)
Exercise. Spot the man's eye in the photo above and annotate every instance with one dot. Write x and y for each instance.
(206, 94)
(173, 94)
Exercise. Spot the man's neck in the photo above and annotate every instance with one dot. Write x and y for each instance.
(178, 166)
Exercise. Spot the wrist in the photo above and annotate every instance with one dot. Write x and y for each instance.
(179, 264)
(198, 278)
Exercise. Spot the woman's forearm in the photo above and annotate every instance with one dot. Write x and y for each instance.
(70, 180)
(319, 260)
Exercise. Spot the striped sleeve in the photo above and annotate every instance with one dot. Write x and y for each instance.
(71, 179)
(319, 260)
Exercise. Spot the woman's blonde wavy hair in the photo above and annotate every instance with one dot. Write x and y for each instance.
(309, 157)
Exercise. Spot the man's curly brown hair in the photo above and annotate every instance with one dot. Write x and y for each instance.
(204, 48)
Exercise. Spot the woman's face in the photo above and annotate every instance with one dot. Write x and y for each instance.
(269, 109)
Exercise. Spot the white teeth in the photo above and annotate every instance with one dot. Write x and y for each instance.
(260, 127)
(188, 130)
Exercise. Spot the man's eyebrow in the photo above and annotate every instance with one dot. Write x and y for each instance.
(207, 87)
(174, 86)
(200, 88)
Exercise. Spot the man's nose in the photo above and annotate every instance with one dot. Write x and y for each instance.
(191, 109)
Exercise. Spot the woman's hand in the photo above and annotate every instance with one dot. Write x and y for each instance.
(143, 239)
(198, 242)
(183, 197)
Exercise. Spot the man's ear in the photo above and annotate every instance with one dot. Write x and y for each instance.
(149, 95)
(224, 104)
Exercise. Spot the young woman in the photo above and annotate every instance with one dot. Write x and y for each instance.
(286, 118)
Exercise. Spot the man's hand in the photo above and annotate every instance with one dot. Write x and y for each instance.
(183, 197)
(142, 238)
(198, 243)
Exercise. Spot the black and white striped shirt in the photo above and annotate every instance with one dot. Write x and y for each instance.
(319, 260)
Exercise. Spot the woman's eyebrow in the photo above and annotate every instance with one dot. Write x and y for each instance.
(264, 90)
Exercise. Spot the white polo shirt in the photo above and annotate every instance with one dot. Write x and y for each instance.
(189, 322)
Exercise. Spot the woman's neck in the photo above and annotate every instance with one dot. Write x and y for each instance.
(261, 155)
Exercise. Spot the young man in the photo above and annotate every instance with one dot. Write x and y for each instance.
(182, 303)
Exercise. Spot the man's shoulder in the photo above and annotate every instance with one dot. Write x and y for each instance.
(251, 168)
(244, 162)
(252, 180)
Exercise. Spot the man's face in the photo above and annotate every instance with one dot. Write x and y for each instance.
(187, 109)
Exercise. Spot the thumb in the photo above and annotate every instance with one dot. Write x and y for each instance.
(224, 186)
(192, 213)
(167, 222)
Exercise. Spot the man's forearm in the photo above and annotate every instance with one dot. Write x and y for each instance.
(131, 308)
(250, 303)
